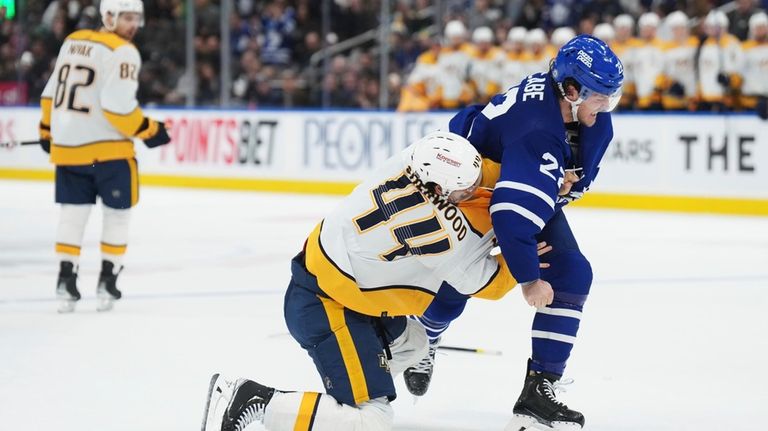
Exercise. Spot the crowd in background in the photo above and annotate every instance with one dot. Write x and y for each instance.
(677, 54)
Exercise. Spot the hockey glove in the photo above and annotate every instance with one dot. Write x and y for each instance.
(153, 133)
(570, 196)
(762, 107)
(676, 90)
(723, 80)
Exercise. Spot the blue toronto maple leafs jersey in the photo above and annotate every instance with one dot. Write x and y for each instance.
(524, 131)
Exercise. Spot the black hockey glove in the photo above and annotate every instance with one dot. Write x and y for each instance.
(762, 107)
(723, 80)
(159, 138)
(45, 145)
(676, 89)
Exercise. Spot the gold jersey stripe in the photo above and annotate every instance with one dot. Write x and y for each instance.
(108, 39)
(307, 411)
(338, 324)
(127, 124)
(134, 168)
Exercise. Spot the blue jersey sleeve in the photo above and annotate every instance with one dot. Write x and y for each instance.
(524, 199)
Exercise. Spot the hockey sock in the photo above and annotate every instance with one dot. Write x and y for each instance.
(69, 236)
(114, 236)
(289, 411)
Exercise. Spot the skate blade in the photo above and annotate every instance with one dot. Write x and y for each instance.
(215, 405)
(528, 423)
(66, 306)
(105, 304)
(525, 423)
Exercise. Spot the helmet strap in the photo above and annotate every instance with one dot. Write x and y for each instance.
(574, 104)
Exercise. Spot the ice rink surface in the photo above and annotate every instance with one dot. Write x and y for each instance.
(673, 335)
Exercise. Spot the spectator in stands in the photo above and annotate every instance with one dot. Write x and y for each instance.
(278, 23)
(739, 18)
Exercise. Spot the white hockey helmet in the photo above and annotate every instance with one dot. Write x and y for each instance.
(562, 35)
(517, 34)
(116, 7)
(624, 21)
(604, 32)
(446, 159)
(536, 37)
(455, 29)
(758, 19)
(648, 19)
(482, 35)
(716, 19)
(676, 19)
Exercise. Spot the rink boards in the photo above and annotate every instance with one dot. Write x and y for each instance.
(699, 163)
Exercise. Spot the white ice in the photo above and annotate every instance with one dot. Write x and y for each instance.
(673, 335)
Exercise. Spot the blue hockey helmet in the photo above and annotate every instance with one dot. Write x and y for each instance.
(591, 63)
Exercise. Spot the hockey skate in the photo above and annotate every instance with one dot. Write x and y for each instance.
(107, 292)
(233, 405)
(418, 377)
(66, 288)
(538, 408)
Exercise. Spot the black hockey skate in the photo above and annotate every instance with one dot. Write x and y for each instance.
(66, 287)
(233, 405)
(538, 408)
(107, 292)
(418, 377)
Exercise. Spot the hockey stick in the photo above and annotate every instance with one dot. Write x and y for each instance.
(15, 143)
(471, 350)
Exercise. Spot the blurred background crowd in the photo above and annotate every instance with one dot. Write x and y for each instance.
(679, 55)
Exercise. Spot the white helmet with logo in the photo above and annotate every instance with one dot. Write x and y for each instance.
(116, 7)
(446, 159)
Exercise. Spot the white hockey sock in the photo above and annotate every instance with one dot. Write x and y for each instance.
(114, 235)
(69, 235)
(289, 411)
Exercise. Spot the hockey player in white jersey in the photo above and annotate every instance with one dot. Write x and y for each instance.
(486, 66)
(755, 63)
(648, 62)
(381, 255)
(89, 117)
(512, 69)
(678, 80)
(719, 58)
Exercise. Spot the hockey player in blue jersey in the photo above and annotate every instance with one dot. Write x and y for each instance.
(549, 134)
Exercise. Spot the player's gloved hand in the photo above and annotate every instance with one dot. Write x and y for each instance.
(538, 293)
(676, 89)
(762, 107)
(570, 196)
(723, 80)
(158, 138)
(45, 145)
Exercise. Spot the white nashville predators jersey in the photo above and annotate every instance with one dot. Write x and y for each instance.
(715, 57)
(91, 97)
(679, 66)
(389, 245)
(755, 68)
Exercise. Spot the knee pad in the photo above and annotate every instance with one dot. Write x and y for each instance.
(409, 348)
